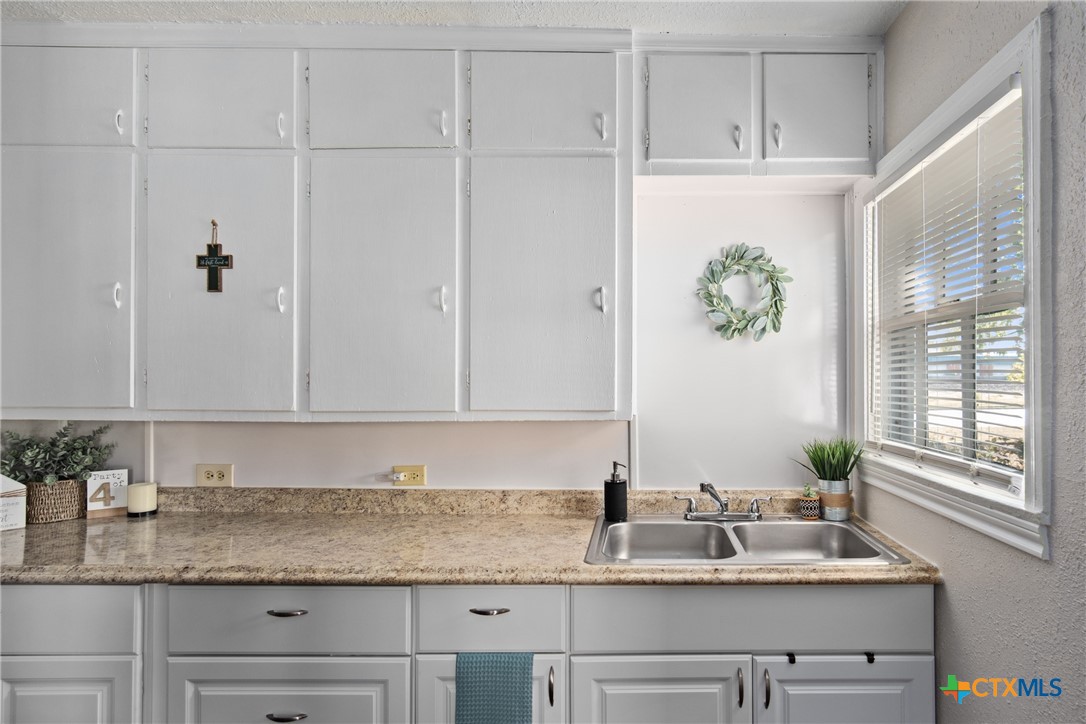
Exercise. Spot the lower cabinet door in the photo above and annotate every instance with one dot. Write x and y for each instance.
(845, 689)
(227, 690)
(70, 689)
(435, 677)
(654, 689)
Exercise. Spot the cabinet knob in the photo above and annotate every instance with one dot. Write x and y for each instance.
(287, 717)
(117, 295)
(280, 300)
(778, 135)
(739, 137)
(117, 122)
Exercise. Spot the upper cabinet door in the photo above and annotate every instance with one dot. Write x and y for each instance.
(67, 259)
(221, 98)
(543, 303)
(699, 107)
(232, 349)
(816, 107)
(543, 100)
(383, 271)
(382, 99)
(69, 96)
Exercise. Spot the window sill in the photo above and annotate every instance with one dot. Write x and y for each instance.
(985, 513)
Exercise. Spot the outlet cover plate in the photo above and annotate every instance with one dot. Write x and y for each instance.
(215, 475)
(416, 474)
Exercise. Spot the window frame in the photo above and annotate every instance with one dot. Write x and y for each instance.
(1022, 523)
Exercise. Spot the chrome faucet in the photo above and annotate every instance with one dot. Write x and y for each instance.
(721, 503)
(721, 513)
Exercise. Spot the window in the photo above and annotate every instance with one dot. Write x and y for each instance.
(947, 304)
(954, 391)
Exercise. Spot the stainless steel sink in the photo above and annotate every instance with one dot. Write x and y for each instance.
(666, 540)
(652, 540)
(801, 540)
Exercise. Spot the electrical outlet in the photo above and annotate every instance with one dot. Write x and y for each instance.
(409, 475)
(215, 476)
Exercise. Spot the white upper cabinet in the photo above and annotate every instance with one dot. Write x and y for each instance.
(221, 98)
(67, 259)
(699, 108)
(542, 100)
(543, 301)
(232, 349)
(816, 108)
(69, 96)
(383, 284)
(382, 99)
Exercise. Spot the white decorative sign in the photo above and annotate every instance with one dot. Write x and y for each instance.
(12, 504)
(107, 493)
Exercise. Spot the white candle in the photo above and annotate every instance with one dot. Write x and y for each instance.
(143, 498)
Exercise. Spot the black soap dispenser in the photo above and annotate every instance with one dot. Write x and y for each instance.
(614, 496)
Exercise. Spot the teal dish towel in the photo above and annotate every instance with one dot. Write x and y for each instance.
(494, 688)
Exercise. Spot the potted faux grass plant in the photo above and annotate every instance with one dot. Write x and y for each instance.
(55, 470)
(832, 462)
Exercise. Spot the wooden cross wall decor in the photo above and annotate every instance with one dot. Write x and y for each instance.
(214, 261)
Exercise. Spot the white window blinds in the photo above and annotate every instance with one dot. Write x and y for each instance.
(946, 301)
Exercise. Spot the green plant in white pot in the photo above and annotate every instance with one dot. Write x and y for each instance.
(832, 462)
(55, 470)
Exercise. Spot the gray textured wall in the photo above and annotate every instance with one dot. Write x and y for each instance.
(1002, 612)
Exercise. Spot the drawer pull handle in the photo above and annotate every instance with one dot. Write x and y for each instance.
(550, 686)
(489, 611)
(282, 134)
(767, 688)
(288, 717)
(288, 614)
(739, 673)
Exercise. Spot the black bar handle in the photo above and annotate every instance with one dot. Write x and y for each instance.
(288, 614)
(766, 688)
(489, 611)
(287, 717)
(739, 672)
(550, 686)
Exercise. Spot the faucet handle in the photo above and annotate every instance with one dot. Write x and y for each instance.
(691, 504)
(756, 509)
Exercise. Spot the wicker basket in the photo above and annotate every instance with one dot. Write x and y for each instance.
(63, 500)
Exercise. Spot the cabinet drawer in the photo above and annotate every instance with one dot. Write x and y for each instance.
(70, 620)
(543, 100)
(230, 690)
(69, 96)
(337, 620)
(623, 619)
(225, 98)
(528, 619)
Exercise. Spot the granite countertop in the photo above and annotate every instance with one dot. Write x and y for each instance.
(208, 536)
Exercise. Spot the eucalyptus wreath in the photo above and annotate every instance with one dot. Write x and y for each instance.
(729, 319)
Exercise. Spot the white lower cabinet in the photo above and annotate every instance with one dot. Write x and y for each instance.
(845, 689)
(226, 690)
(651, 689)
(70, 689)
(435, 687)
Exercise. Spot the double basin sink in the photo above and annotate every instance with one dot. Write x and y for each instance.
(654, 540)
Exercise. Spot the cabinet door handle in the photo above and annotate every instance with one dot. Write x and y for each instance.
(279, 126)
(289, 613)
(550, 686)
(603, 126)
(288, 717)
(443, 301)
(601, 294)
(444, 128)
(117, 295)
(739, 673)
(489, 611)
(778, 135)
(117, 122)
(739, 137)
(280, 300)
(766, 688)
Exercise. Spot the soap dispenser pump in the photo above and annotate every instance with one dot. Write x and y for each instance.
(614, 496)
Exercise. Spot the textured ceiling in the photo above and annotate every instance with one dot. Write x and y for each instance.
(763, 17)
